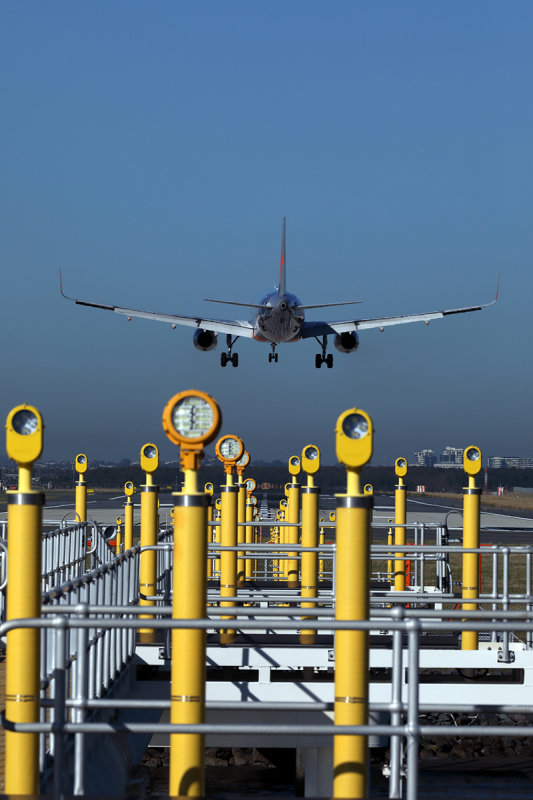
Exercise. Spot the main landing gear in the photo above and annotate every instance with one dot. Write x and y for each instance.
(273, 356)
(228, 356)
(322, 358)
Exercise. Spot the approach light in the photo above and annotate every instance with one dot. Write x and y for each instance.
(149, 457)
(81, 463)
(354, 436)
(191, 418)
(24, 434)
(129, 488)
(472, 460)
(229, 450)
(310, 459)
(400, 467)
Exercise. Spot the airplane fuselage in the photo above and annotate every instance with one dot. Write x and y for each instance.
(280, 318)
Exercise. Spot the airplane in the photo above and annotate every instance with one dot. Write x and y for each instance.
(279, 317)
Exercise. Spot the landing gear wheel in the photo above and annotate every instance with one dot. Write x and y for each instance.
(269, 358)
(329, 361)
(276, 357)
(223, 359)
(318, 361)
(235, 359)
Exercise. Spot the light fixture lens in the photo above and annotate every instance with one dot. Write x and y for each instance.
(355, 426)
(295, 461)
(402, 463)
(25, 422)
(192, 417)
(150, 451)
(81, 459)
(243, 460)
(311, 453)
(230, 448)
(472, 454)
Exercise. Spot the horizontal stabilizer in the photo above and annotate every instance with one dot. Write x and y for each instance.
(330, 305)
(233, 303)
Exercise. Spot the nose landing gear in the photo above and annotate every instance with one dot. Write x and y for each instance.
(273, 356)
(322, 358)
(225, 358)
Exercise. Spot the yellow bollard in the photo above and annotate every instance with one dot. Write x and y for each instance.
(81, 487)
(149, 527)
(24, 438)
(218, 518)
(400, 518)
(191, 420)
(293, 516)
(350, 753)
(129, 489)
(321, 541)
(390, 562)
(208, 489)
(118, 537)
(471, 524)
(240, 466)
(310, 497)
(250, 564)
(229, 450)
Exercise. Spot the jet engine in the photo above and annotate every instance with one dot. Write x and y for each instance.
(204, 340)
(347, 342)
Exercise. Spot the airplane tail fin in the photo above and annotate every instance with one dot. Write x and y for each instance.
(282, 263)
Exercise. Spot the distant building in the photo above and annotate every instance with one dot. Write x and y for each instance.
(424, 458)
(503, 462)
(451, 458)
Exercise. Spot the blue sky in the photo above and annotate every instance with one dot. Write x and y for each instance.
(151, 150)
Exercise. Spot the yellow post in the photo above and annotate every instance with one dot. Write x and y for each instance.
(149, 527)
(118, 539)
(249, 563)
(208, 489)
(81, 487)
(293, 516)
(321, 541)
(400, 518)
(129, 489)
(241, 532)
(309, 564)
(390, 562)
(350, 753)
(228, 558)
(187, 690)
(191, 419)
(471, 525)
(24, 434)
(218, 517)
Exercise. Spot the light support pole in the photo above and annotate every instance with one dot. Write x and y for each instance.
(240, 466)
(208, 490)
(354, 434)
(129, 489)
(251, 501)
(293, 516)
(471, 526)
(309, 564)
(149, 526)
(81, 465)
(400, 518)
(229, 450)
(191, 420)
(24, 438)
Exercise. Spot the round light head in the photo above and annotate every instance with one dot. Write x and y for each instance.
(472, 460)
(129, 488)
(310, 459)
(252, 500)
(244, 460)
(229, 449)
(400, 467)
(251, 484)
(24, 434)
(149, 457)
(332, 516)
(368, 489)
(191, 418)
(209, 488)
(218, 504)
(283, 503)
(294, 465)
(81, 463)
(287, 486)
(354, 437)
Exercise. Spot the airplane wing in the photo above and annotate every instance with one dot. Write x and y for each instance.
(233, 327)
(310, 329)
